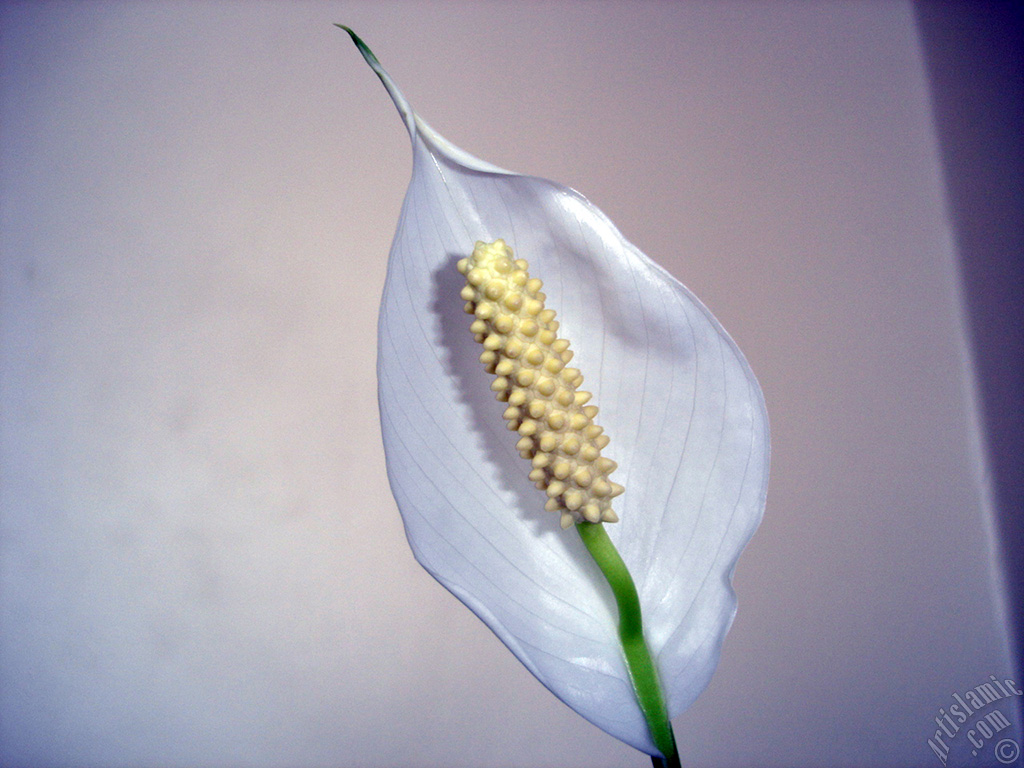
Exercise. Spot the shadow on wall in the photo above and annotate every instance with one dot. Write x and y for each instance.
(975, 59)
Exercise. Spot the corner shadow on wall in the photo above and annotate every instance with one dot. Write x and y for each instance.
(975, 65)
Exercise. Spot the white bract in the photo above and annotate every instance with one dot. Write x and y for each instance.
(684, 412)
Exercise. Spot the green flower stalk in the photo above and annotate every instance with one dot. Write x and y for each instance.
(642, 670)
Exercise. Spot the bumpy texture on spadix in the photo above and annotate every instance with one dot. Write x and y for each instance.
(545, 405)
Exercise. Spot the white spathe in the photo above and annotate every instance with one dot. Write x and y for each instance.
(684, 412)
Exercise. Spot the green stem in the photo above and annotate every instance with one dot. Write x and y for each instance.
(642, 671)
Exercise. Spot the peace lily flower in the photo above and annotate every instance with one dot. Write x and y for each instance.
(683, 411)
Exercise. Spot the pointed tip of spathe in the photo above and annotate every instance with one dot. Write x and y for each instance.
(404, 109)
(363, 47)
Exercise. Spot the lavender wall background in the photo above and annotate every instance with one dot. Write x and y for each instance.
(201, 562)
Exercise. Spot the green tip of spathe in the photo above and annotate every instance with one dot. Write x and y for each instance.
(363, 47)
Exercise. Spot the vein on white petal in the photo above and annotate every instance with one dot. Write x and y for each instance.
(422, 430)
(711, 472)
(696, 525)
(633, 722)
(643, 390)
(663, 425)
(501, 587)
(502, 626)
(480, 533)
(659, 505)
